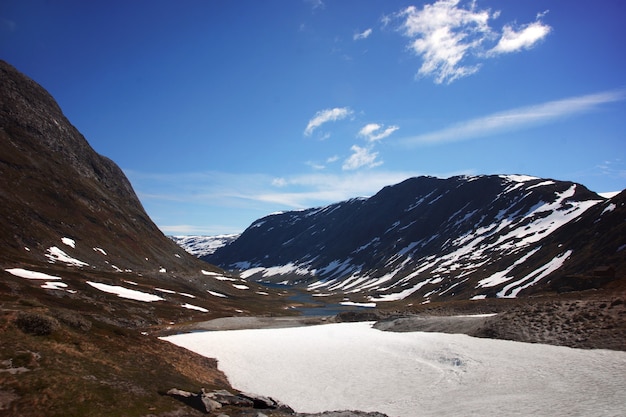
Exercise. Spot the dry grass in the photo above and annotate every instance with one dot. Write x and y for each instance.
(102, 371)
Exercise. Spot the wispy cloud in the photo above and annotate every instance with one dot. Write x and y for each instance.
(519, 118)
(362, 35)
(515, 40)
(327, 115)
(303, 191)
(446, 35)
(361, 157)
(374, 132)
(252, 195)
(315, 165)
(204, 230)
(316, 4)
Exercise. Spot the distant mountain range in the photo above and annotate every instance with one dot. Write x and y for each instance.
(203, 245)
(432, 239)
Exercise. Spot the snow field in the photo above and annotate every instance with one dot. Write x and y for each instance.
(353, 366)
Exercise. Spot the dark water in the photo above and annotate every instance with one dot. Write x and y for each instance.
(314, 306)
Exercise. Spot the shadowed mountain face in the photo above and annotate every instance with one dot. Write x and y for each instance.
(83, 269)
(437, 239)
(71, 213)
(54, 186)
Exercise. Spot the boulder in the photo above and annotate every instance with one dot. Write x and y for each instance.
(225, 397)
(198, 401)
(267, 403)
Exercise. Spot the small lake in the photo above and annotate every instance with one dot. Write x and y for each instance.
(313, 306)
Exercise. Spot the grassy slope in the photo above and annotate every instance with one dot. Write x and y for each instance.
(87, 367)
(102, 358)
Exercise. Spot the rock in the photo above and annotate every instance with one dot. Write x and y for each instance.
(345, 413)
(225, 397)
(209, 401)
(356, 316)
(198, 401)
(267, 403)
(210, 404)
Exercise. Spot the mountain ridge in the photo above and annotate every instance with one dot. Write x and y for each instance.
(460, 237)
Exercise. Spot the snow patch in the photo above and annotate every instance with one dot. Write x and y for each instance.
(125, 292)
(608, 209)
(69, 242)
(54, 285)
(102, 251)
(350, 303)
(193, 307)
(478, 297)
(54, 254)
(25, 273)
(241, 286)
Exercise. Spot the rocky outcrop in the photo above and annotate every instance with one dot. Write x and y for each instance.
(247, 404)
(210, 401)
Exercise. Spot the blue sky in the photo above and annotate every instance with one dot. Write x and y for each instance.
(221, 112)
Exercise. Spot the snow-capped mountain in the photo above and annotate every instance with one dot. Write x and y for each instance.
(465, 237)
(203, 245)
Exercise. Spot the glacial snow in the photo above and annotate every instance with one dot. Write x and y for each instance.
(353, 366)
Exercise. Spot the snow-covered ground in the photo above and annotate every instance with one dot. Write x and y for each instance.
(353, 366)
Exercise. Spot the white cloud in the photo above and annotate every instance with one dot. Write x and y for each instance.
(317, 189)
(361, 157)
(374, 132)
(363, 35)
(519, 118)
(327, 115)
(279, 182)
(316, 4)
(368, 129)
(315, 165)
(443, 34)
(525, 38)
(446, 36)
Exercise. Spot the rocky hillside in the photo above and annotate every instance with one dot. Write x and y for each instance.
(66, 206)
(86, 278)
(434, 239)
(55, 186)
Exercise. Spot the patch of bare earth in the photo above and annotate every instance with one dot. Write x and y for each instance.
(588, 320)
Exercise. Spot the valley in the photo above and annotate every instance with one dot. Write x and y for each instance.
(92, 292)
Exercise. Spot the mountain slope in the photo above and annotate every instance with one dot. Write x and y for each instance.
(431, 239)
(87, 279)
(55, 185)
(71, 213)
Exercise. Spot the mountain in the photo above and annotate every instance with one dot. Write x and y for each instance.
(432, 239)
(87, 280)
(203, 245)
(55, 186)
(69, 212)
